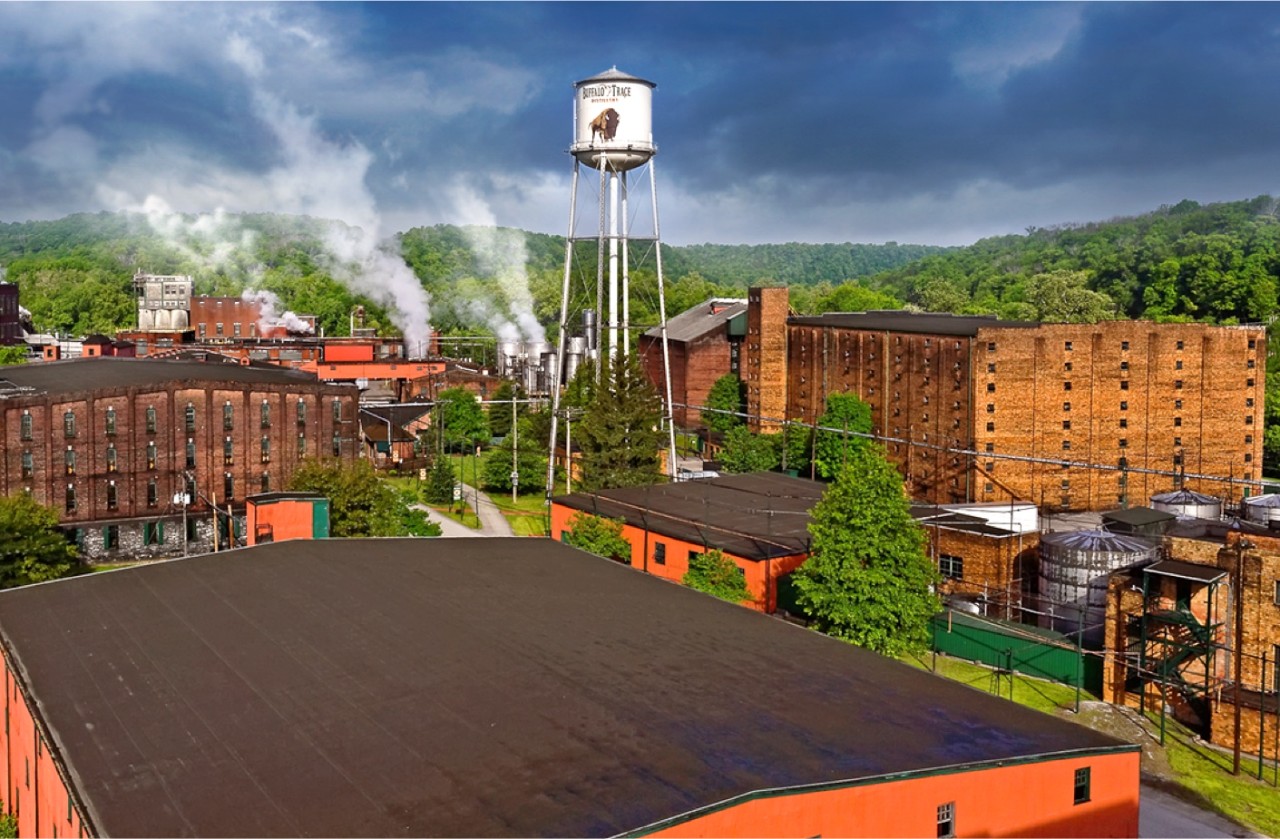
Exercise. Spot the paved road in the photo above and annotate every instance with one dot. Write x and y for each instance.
(492, 522)
(1164, 815)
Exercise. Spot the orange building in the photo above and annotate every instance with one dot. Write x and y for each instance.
(759, 521)
(499, 687)
(277, 516)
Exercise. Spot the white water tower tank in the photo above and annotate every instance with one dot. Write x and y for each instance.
(613, 120)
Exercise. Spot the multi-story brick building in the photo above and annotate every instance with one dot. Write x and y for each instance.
(1077, 416)
(704, 343)
(113, 444)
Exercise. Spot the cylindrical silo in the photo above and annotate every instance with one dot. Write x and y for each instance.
(1074, 567)
(1263, 509)
(613, 120)
(508, 358)
(573, 357)
(1185, 503)
(547, 372)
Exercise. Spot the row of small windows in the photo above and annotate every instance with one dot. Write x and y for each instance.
(69, 427)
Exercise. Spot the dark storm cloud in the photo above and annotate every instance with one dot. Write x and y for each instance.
(774, 120)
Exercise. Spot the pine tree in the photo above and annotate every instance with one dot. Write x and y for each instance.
(620, 430)
(869, 579)
(440, 481)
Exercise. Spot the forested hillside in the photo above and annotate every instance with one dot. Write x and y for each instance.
(1218, 263)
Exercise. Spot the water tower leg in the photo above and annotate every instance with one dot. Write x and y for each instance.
(558, 382)
(613, 264)
(626, 275)
(662, 324)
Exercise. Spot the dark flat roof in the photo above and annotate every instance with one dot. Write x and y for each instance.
(754, 516)
(461, 687)
(927, 323)
(85, 374)
(1186, 570)
(1138, 516)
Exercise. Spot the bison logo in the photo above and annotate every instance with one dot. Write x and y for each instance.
(605, 125)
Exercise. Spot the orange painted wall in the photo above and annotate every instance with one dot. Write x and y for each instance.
(1033, 799)
(348, 352)
(348, 371)
(34, 789)
(288, 519)
(760, 575)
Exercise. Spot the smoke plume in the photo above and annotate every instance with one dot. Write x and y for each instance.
(269, 314)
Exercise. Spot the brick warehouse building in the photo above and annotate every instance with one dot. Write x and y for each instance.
(1145, 400)
(107, 442)
(704, 343)
(318, 688)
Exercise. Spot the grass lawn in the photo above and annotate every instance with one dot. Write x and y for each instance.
(527, 516)
(1200, 773)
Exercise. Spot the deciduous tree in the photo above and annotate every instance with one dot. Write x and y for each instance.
(869, 580)
(729, 393)
(598, 535)
(747, 452)
(852, 416)
(714, 573)
(32, 548)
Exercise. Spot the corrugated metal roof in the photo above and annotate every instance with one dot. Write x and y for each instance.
(705, 317)
(1098, 541)
(461, 687)
(1185, 496)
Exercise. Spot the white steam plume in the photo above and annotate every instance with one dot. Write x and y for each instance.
(269, 314)
(501, 252)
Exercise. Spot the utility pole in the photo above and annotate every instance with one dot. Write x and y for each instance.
(1237, 584)
(515, 448)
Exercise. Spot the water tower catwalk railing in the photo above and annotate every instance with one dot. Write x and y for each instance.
(612, 135)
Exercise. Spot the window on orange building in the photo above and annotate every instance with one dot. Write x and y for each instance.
(1082, 786)
(951, 567)
(659, 553)
(946, 820)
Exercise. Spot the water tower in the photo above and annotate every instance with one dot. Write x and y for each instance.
(612, 136)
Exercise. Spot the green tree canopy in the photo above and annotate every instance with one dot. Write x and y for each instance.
(32, 548)
(530, 457)
(360, 503)
(619, 430)
(500, 410)
(598, 535)
(13, 355)
(714, 573)
(832, 449)
(440, 481)
(459, 420)
(746, 452)
(729, 393)
(869, 579)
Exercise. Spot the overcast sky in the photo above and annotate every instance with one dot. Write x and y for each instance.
(922, 123)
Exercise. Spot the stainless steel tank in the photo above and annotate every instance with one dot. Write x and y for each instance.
(1074, 568)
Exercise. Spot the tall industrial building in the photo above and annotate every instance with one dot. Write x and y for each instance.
(1069, 416)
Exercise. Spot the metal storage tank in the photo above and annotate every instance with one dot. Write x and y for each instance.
(1185, 503)
(573, 357)
(547, 372)
(1263, 509)
(508, 357)
(1074, 566)
(613, 120)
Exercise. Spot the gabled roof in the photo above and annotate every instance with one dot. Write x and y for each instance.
(461, 687)
(701, 320)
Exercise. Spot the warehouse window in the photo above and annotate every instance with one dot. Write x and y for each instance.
(111, 458)
(151, 419)
(266, 449)
(1066, 385)
(265, 483)
(1177, 441)
(302, 412)
(218, 328)
(228, 416)
(71, 498)
(1177, 384)
(1179, 345)
(151, 455)
(1124, 345)
(1249, 383)
(1124, 406)
(70, 460)
(25, 433)
(1276, 600)
(1248, 440)
(1253, 343)
(1248, 458)
(1066, 425)
(235, 330)
(991, 368)
(28, 464)
(988, 488)
(111, 536)
(1124, 365)
(1082, 785)
(991, 408)
(1124, 443)
(153, 493)
(991, 387)
(337, 411)
(1066, 406)
(951, 567)
(69, 424)
(1177, 365)
(991, 426)
(191, 453)
(337, 446)
(1251, 364)
(152, 532)
(1066, 445)
(113, 496)
(110, 423)
(302, 445)
(1248, 420)
(659, 553)
(946, 820)
(1177, 404)
(991, 346)
(228, 456)
(266, 414)
(1067, 346)
(228, 487)
(1248, 402)
(1124, 384)
(190, 415)
(1124, 422)
(991, 447)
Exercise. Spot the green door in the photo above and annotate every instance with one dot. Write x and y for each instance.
(320, 519)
